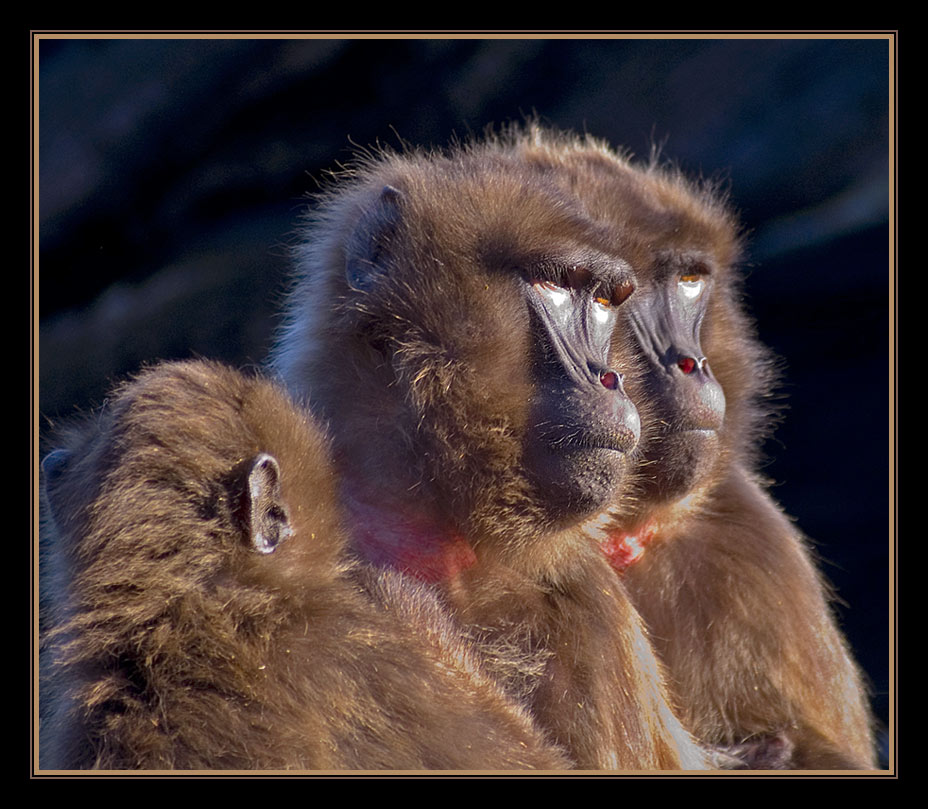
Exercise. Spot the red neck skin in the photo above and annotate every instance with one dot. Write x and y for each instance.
(624, 548)
(402, 539)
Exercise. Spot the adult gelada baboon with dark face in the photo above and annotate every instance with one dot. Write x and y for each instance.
(724, 582)
(203, 613)
(456, 324)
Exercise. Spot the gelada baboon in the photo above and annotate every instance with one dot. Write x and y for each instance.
(454, 323)
(725, 582)
(204, 614)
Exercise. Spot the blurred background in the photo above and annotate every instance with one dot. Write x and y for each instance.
(173, 172)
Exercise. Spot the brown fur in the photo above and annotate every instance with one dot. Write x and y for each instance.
(172, 644)
(737, 610)
(422, 366)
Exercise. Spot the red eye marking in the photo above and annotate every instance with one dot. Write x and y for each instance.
(687, 365)
(610, 380)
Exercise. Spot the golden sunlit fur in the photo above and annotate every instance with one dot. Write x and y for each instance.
(479, 456)
(171, 643)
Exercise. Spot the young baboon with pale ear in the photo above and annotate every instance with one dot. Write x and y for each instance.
(203, 613)
(455, 323)
(723, 579)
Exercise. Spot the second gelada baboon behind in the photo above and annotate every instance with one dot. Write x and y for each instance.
(725, 582)
(455, 323)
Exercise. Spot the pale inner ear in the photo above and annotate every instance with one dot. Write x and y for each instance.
(268, 516)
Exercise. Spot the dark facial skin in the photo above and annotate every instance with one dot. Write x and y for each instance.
(562, 303)
(675, 255)
(666, 316)
(582, 420)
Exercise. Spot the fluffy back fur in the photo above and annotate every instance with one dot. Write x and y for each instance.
(174, 644)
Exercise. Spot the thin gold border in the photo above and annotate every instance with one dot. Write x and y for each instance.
(37, 35)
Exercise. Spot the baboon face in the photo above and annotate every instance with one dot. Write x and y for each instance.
(692, 339)
(483, 308)
(687, 402)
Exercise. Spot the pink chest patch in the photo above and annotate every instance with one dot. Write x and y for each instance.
(412, 545)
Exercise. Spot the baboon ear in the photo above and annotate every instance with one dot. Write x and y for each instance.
(268, 516)
(368, 248)
(54, 463)
(53, 466)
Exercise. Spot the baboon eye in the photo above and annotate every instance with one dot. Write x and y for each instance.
(691, 285)
(621, 292)
(616, 296)
(575, 277)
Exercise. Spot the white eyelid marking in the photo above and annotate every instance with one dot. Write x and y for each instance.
(692, 289)
(600, 312)
(556, 295)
